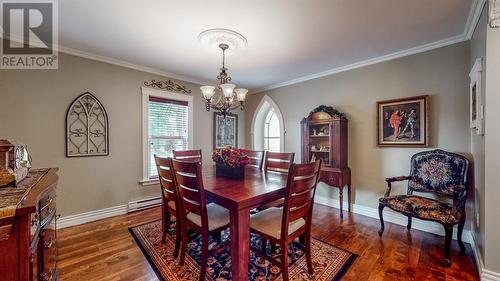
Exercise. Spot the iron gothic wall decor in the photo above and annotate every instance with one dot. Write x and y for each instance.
(86, 127)
(168, 85)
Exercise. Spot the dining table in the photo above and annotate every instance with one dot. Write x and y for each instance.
(239, 196)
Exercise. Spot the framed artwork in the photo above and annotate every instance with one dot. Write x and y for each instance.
(403, 122)
(476, 98)
(86, 127)
(225, 130)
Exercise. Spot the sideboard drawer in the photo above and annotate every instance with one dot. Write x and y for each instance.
(329, 178)
(49, 251)
(48, 198)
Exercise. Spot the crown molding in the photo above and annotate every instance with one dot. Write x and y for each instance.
(396, 55)
(472, 20)
(126, 64)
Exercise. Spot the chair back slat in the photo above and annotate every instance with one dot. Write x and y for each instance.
(299, 194)
(256, 158)
(278, 162)
(188, 177)
(189, 155)
(163, 166)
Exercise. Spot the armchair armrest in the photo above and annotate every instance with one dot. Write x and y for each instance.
(391, 180)
(401, 178)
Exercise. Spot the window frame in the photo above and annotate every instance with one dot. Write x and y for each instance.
(146, 94)
(267, 121)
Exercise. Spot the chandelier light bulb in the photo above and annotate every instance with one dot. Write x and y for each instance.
(208, 92)
(227, 90)
(241, 94)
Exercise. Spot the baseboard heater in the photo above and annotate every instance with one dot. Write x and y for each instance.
(142, 204)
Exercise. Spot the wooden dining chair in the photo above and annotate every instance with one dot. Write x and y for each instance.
(195, 213)
(283, 225)
(278, 162)
(169, 200)
(191, 155)
(256, 158)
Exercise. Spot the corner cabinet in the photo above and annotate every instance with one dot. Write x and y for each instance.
(326, 139)
(28, 228)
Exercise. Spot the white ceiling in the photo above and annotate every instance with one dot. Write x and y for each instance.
(287, 39)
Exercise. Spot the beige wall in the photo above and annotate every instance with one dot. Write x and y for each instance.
(33, 105)
(441, 73)
(478, 50)
(492, 148)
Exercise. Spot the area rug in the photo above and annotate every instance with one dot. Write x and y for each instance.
(329, 262)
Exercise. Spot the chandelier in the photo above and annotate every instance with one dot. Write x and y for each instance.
(223, 98)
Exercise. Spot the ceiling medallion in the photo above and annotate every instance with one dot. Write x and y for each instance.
(212, 38)
(223, 98)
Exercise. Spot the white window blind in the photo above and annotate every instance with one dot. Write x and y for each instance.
(168, 129)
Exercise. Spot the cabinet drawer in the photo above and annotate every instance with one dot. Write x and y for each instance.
(48, 198)
(332, 179)
(49, 251)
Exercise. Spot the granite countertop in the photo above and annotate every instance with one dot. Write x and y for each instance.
(10, 197)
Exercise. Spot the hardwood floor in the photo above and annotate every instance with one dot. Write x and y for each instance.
(105, 250)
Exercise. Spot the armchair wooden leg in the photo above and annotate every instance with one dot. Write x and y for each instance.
(447, 243)
(380, 214)
(284, 261)
(408, 226)
(459, 233)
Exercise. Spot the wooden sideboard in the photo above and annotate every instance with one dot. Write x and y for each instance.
(28, 228)
(326, 139)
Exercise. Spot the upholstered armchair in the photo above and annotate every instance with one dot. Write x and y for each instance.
(438, 172)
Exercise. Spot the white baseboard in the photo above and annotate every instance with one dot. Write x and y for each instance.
(484, 274)
(392, 217)
(91, 216)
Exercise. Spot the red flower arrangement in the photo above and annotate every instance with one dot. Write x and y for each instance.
(232, 157)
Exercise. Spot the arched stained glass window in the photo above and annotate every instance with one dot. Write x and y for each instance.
(86, 127)
(272, 132)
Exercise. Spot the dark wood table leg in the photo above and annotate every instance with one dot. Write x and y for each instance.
(240, 243)
(341, 198)
(349, 197)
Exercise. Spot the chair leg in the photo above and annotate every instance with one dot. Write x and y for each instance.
(459, 233)
(263, 245)
(204, 257)
(408, 226)
(307, 244)
(284, 260)
(183, 245)
(166, 225)
(447, 243)
(178, 237)
(273, 247)
(380, 214)
(302, 239)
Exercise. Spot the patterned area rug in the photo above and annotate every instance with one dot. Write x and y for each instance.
(329, 262)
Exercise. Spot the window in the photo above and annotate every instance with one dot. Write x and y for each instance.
(272, 139)
(167, 123)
